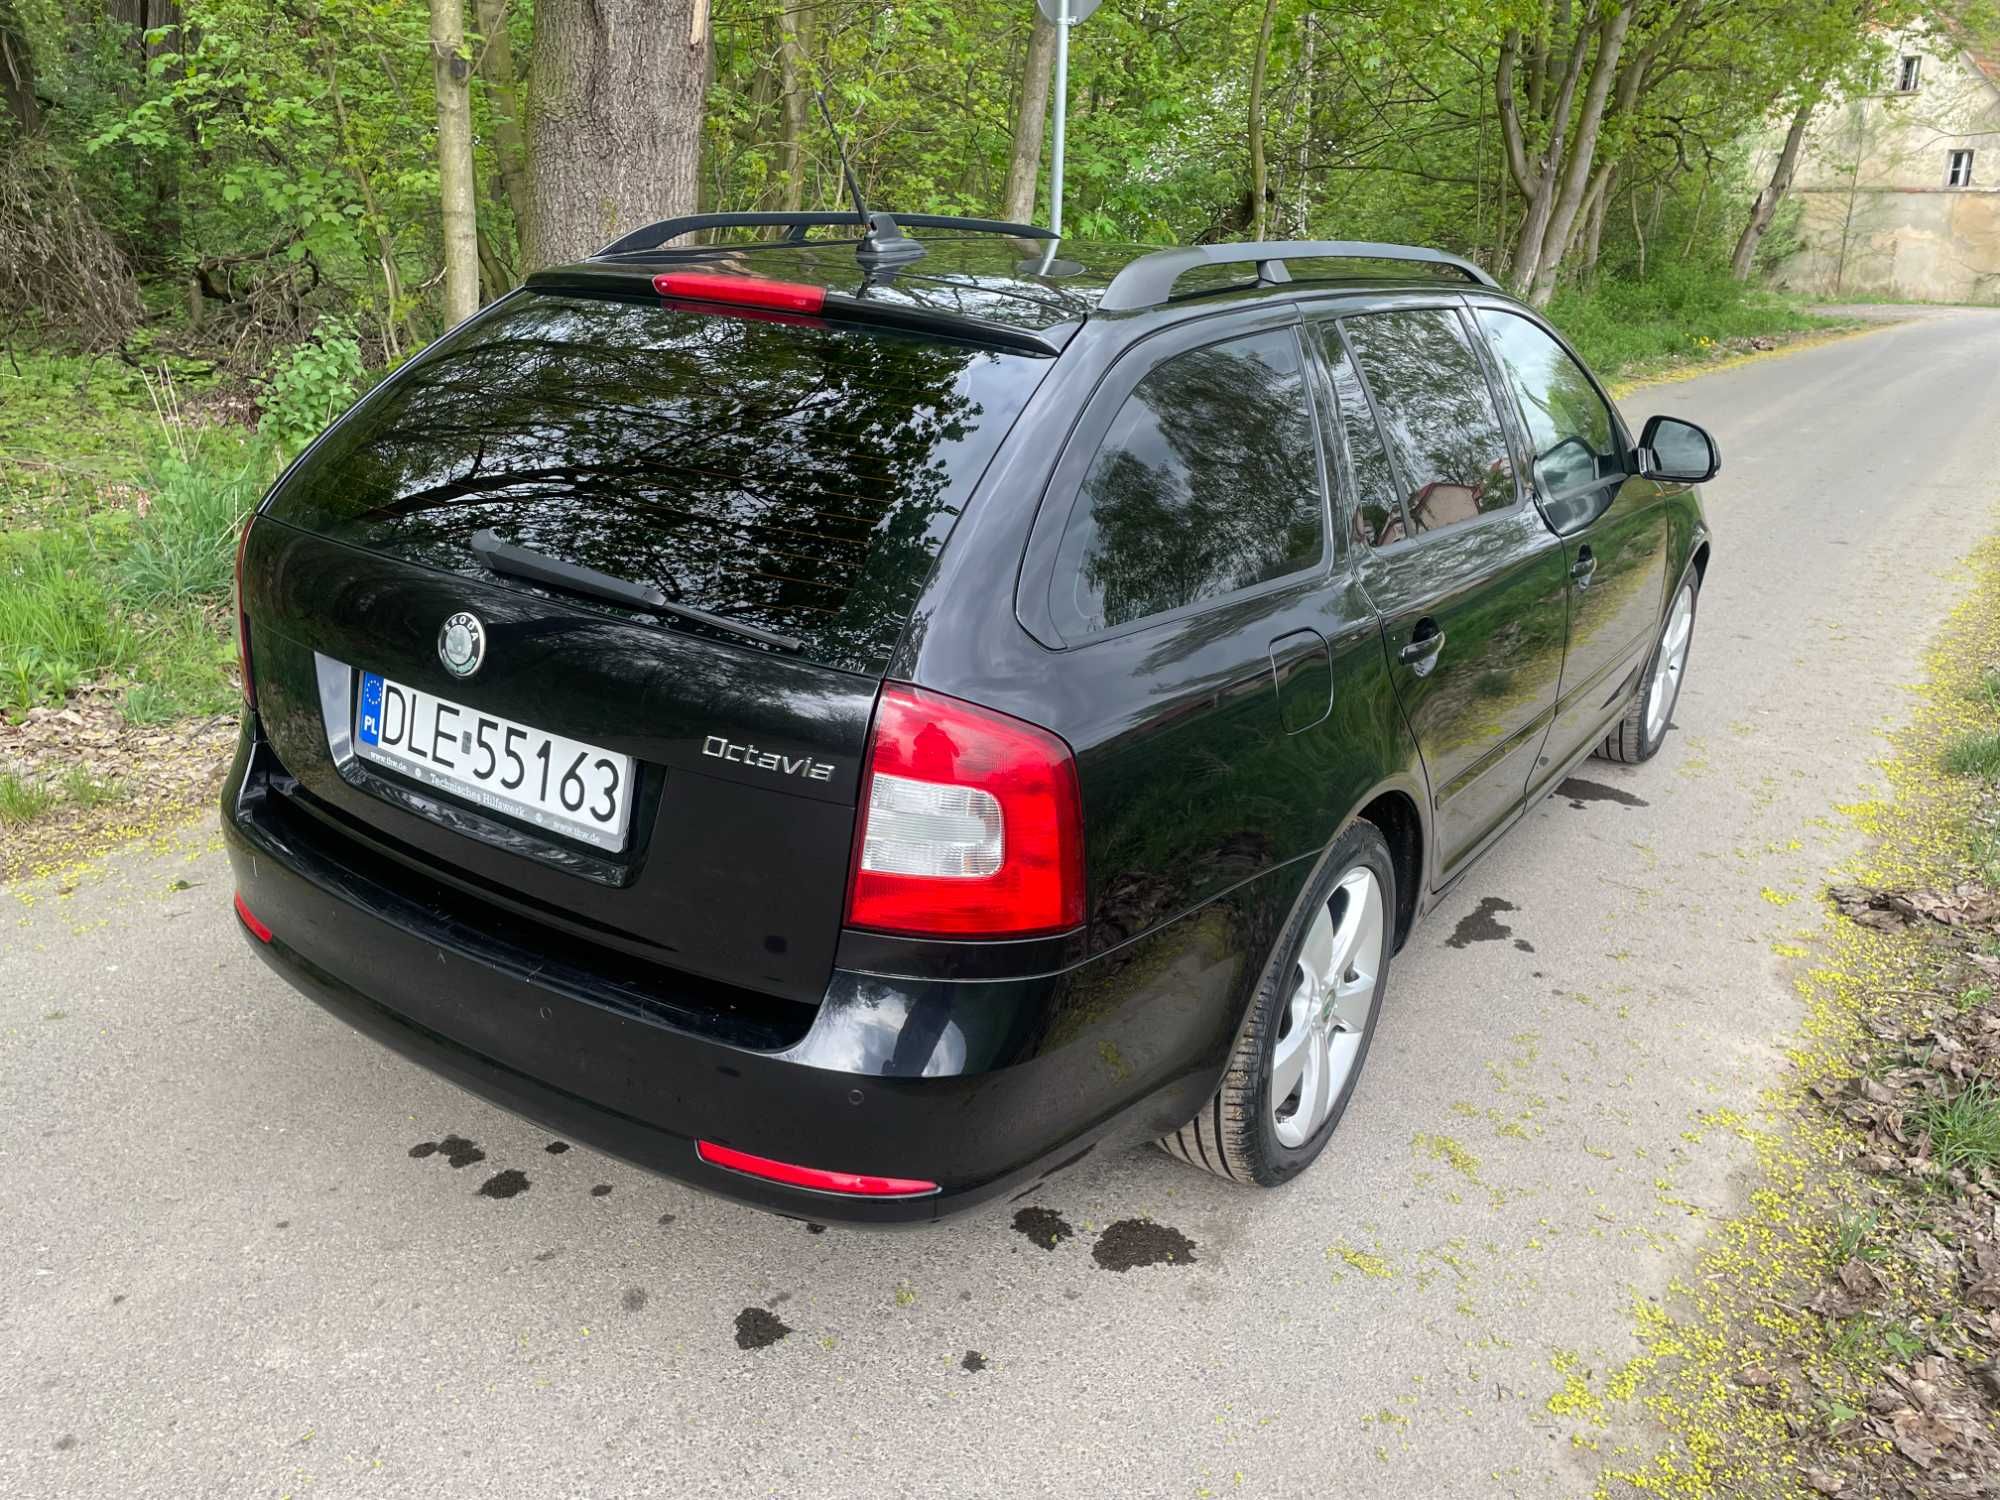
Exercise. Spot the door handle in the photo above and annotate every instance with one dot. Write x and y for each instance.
(1584, 568)
(1422, 648)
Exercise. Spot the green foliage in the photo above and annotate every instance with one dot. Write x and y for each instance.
(1680, 312)
(1964, 1130)
(1975, 754)
(22, 800)
(118, 568)
(84, 790)
(310, 385)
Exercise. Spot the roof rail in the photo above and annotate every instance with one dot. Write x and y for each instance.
(653, 236)
(1149, 280)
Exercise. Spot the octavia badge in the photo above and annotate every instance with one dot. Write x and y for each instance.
(462, 644)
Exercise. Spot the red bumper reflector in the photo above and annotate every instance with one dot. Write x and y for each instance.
(741, 291)
(857, 1184)
(257, 929)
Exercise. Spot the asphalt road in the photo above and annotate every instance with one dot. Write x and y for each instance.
(224, 1271)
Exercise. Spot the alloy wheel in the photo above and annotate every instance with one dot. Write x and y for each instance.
(1322, 1028)
(1669, 664)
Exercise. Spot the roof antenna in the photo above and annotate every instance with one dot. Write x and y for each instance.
(885, 243)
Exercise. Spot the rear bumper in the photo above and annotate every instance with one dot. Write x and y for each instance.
(981, 1087)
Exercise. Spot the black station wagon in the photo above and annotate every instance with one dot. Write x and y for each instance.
(857, 720)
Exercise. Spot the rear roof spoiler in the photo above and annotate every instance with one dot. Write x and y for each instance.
(630, 281)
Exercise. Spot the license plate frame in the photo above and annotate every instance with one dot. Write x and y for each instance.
(413, 724)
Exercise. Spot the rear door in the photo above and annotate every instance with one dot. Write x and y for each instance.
(790, 479)
(1613, 525)
(1182, 563)
(1467, 579)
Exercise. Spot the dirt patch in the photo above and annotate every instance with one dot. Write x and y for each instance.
(1141, 1242)
(112, 781)
(973, 1362)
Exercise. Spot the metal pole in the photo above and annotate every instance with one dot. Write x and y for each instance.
(1062, 110)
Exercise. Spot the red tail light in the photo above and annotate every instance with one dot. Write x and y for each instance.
(741, 291)
(243, 632)
(970, 824)
(257, 929)
(858, 1184)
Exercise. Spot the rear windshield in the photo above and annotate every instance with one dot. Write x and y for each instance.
(796, 477)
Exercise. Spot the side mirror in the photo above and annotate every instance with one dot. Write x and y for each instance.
(1676, 451)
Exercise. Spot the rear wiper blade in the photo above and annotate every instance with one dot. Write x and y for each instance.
(525, 562)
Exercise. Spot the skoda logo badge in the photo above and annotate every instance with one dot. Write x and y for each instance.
(462, 644)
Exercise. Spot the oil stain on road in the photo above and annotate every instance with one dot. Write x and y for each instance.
(1482, 925)
(759, 1328)
(1580, 792)
(455, 1149)
(1141, 1242)
(1043, 1226)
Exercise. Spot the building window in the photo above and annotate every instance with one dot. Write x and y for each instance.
(1959, 172)
(1908, 72)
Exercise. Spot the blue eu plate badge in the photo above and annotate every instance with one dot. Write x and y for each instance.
(371, 708)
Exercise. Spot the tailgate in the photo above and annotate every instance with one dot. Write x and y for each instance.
(731, 867)
(796, 478)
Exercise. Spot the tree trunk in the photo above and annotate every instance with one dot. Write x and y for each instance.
(1700, 205)
(17, 74)
(1024, 165)
(496, 67)
(452, 71)
(385, 245)
(614, 120)
(1593, 229)
(1307, 72)
(793, 50)
(1259, 174)
(1765, 208)
(1576, 174)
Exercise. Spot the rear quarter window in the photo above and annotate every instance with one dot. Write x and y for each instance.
(1206, 483)
(801, 477)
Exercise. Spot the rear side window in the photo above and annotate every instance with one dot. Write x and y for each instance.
(801, 478)
(1567, 420)
(1378, 514)
(1437, 414)
(1207, 482)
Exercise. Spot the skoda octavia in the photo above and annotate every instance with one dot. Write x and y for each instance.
(857, 720)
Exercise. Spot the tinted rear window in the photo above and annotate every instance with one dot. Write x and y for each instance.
(795, 477)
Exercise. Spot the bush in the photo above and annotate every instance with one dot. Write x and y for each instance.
(311, 385)
(1680, 311)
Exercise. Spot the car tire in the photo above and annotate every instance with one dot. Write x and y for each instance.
(1309, 1027)
(1639, 735)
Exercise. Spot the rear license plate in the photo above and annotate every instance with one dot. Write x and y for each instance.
(580, 791)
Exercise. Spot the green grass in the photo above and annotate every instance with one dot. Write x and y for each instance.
(1625, 328)
(21, 800)
(1973, 998)
(1976, 754)
(1964, 1130)
(83, 789)
(1852, 1239)
(120, 520)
